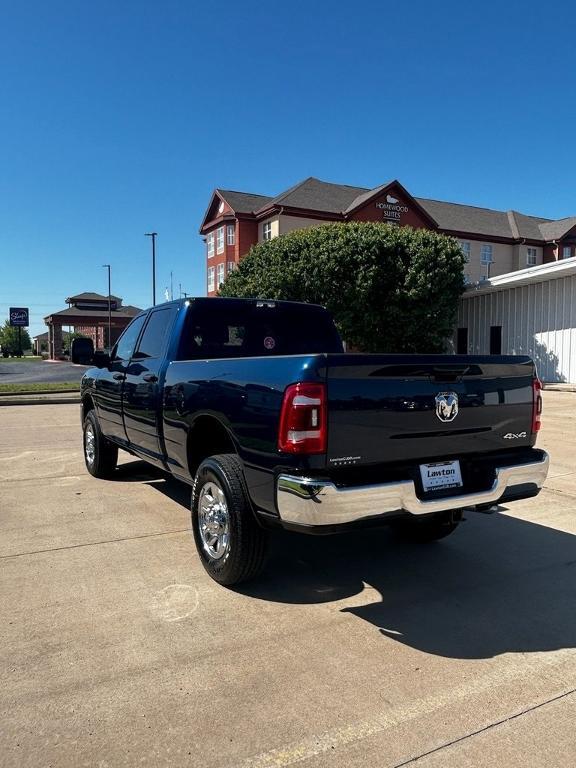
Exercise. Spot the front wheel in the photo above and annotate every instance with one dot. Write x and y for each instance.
(231, 544)
(432, 528)
(100, 455)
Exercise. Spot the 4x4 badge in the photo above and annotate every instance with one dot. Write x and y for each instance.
(514, 435)
(446, 406)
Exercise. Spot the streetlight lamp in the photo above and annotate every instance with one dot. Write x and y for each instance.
(107, 266)
(153, 235)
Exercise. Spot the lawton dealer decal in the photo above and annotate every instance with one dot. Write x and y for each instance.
(392, 208)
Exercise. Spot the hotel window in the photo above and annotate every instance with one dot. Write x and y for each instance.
(220, 240)
(220, 275)
(566, 252)
(231, 266)
(230, 234)
(466, 251)
(486, 254)
(210, 244)
(210, 279)
(531, 257)
(267, 230)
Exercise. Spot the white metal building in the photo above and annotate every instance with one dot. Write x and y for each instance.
(528, 312)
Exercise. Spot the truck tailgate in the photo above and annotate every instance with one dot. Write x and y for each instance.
(388, 408)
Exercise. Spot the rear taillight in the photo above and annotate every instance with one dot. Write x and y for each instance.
(303, 419)
(536, 404)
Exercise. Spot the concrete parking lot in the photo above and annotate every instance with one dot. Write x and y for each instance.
(116, 648)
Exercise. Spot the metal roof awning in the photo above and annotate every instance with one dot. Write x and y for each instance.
(531, 275)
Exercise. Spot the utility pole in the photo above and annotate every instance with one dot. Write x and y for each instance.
(107, 266)
(153, 235)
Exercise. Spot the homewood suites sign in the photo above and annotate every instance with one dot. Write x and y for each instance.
(392, 208)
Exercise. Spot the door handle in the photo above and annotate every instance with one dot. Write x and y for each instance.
(151, 377)
(119, 376)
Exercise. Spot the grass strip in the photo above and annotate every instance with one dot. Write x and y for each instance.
(40, 388)
(29, 359)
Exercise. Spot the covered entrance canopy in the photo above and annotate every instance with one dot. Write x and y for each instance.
(87, 314)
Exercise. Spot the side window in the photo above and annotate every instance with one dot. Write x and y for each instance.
(155, 336)
(126, 343)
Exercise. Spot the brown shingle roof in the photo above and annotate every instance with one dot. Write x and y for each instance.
(338, 199)
(554, 230)
(317, 195)
(87, 296)
(79, 314)
(243, 202)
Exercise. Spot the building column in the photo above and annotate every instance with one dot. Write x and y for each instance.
(57, 341)
(51, 341)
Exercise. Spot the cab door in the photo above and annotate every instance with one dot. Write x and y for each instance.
(142, 400)
(110, 382)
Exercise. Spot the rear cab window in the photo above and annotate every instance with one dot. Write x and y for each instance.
(216, 328)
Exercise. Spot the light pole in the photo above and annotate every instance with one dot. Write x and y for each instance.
(107, 266)
(153, 235)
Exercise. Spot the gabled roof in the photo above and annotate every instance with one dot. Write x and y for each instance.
(317, 195)
(243, 202)
(365, 196)
(394, 186)
(87, 296)
(84, 314)
(554, 230)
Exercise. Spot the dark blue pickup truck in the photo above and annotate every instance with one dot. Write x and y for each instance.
(256, 405)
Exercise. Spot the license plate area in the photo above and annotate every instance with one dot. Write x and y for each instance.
(440, 475)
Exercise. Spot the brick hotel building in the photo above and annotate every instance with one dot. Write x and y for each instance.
(495, 242)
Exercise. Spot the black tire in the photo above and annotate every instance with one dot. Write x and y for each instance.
(426, 529)
(238, 551)
(100, 455)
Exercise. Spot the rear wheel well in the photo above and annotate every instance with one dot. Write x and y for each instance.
(208, 437)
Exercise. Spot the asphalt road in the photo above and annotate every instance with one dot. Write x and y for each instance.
(37, 371)
(117, 649)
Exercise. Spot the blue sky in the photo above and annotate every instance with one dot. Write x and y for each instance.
(117, 118)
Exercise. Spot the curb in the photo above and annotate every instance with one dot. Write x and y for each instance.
(34, 400)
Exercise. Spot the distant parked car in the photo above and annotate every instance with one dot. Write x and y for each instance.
(82, 351)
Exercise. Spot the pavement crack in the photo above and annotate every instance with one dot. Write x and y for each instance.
(496, 724)
(93, 543)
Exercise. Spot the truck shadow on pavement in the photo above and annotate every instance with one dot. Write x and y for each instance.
(497, 585)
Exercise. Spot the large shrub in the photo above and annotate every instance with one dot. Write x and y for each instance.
(390, 289)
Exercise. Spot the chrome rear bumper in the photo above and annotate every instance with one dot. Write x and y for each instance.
(309, 502)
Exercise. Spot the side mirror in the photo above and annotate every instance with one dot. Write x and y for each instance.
(101, 359)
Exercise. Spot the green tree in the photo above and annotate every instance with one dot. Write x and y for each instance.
(9, 339)
(390, 289)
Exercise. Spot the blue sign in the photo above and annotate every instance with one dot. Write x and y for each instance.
(19, 316)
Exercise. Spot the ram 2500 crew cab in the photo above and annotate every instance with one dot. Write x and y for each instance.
(256, 405)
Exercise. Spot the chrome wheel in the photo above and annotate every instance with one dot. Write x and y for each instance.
(213, 521)
(89, 444)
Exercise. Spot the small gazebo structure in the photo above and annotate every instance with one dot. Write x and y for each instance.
(87, 314)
